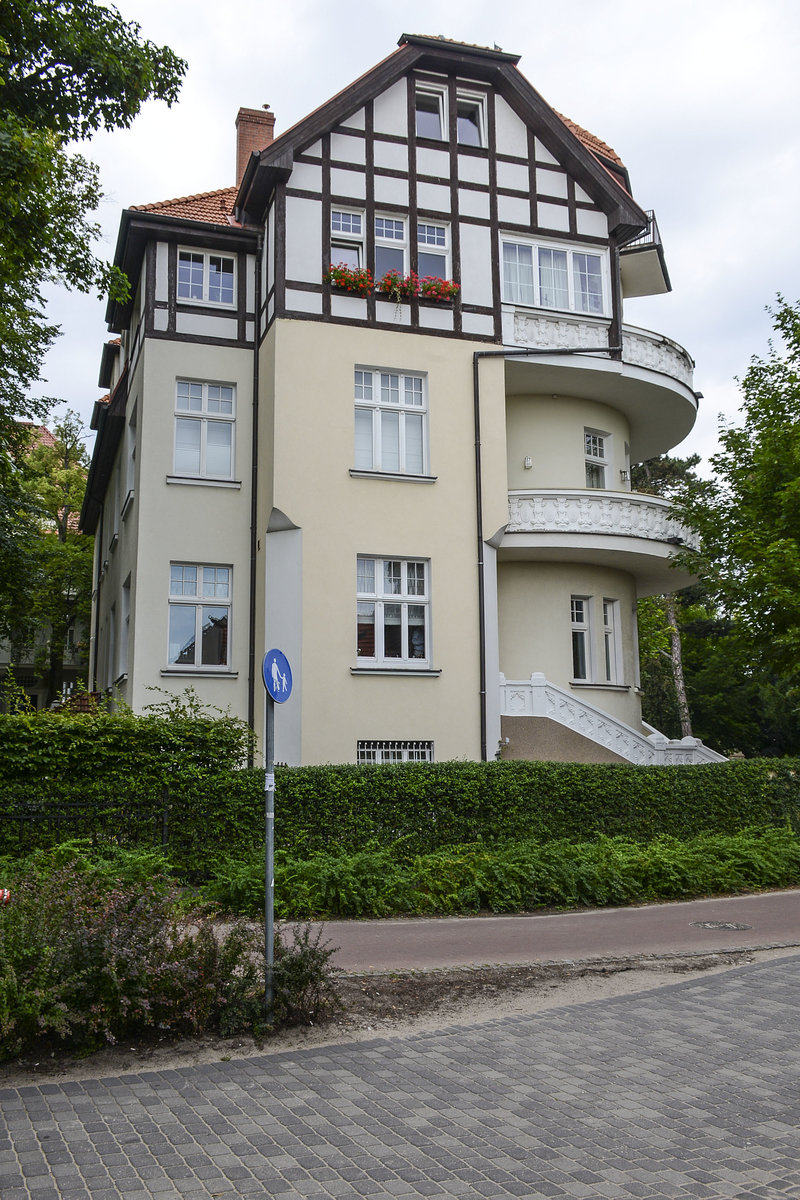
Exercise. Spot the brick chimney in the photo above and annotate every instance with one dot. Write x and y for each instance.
(255, 129)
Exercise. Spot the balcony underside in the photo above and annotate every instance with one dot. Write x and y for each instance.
(648, 562)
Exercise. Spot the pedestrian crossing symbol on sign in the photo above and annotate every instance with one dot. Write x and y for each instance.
(277, 675)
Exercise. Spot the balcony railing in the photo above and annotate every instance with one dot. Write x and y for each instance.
(650, 236)
(621, 514)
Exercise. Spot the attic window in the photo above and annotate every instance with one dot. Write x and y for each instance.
(430, 115)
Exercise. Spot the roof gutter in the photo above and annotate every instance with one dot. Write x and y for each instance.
(476, 394)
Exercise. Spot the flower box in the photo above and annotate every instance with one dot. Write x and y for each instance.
(357, 280)
(400, 287)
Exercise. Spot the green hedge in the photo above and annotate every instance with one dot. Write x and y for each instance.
(168, 796)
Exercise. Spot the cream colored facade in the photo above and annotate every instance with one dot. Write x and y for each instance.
(424, 503)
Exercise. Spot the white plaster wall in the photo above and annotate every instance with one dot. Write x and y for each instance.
(348, 183)
(206, 325)
(390, 114)
(391, 155)
(356, 120)
(550, 430)
(536, 630)
(542, 153)
(551, 183)
(593, 224)
(162, 269)
(390, 190)
(473, 170)
(303, 239)
(473, 204)
(348, 148)
(433, 162)
(513, 210)
(511, 131)
(513, 175)
(307, 177)
(476, 264)
(342, 517)
(433, 196)
(553, 216)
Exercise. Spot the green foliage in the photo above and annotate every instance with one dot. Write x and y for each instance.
(67, 68)
(748, 515)
(514, 877)
(87, 958)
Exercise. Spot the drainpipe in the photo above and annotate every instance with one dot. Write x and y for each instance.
(476, 392)
(251, 644)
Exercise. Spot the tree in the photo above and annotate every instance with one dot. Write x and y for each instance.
(53, 596)
(67, 69)
(748, 515)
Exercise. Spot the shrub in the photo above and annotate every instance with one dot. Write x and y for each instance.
(84, 961)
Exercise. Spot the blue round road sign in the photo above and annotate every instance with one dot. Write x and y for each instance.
(277, 675)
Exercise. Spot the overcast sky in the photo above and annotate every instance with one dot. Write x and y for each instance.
(700, 98)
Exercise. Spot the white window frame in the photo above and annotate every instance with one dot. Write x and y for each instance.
(206, 417)
(612, 642)
(466, 97)
(596, 458)
(390, 240)
(439, 247)
(581, 642)
(206, 287)
(344, 238)
(211, 591)
(530, 294)
(381, 597)
(370, 394)
(376, 753)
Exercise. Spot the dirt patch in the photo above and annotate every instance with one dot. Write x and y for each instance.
(400, 1004)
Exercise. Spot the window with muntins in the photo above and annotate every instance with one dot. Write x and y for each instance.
(347, 238)
(595, 447)
(581, 644)
(390, 246)
(433, 249)
(611, 644)
(199, 616)
(206, 278)
(558, 277)
(204, 424)
(392, 612)
(390, 422)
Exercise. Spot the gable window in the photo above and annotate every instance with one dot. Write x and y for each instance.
(347, 238)
(559, 277)
(199, 615)
(204, 421)
(430, 122)
(390, 416)
(581, 648)
(469, 121)
(394, 752)
(595, 455)
(390, 246)
(432, 249)
(207, 278)
(392, 612)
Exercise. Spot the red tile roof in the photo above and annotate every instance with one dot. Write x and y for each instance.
(40, 434)
(213, 207)
(590, 141)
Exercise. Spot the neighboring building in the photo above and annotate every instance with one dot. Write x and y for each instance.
(424, 502)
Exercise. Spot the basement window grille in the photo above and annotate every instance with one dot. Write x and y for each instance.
(394, 752)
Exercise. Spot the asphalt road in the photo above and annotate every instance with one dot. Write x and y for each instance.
(766, 919)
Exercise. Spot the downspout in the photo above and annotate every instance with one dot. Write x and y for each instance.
(476, 357)
(251, 645)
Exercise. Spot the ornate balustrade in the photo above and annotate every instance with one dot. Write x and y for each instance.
(537, 697)
(621, 514)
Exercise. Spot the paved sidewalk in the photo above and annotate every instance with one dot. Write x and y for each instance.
(686, 1092)
(765, 919)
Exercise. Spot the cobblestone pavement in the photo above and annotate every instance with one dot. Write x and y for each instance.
(691, 1090)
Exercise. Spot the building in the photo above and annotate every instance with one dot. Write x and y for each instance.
(422, 499)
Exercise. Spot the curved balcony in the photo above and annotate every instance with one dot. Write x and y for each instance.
(629, 531)
(651, 384)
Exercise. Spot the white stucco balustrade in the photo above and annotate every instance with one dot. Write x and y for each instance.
(537, 697)
(625, 514)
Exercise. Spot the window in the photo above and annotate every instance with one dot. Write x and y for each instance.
(469, 121)
(594, 449)
(347, 238)
(581, 647)
(199, 615)
(392, 612)
(204, 420)
(390, 422)
(390, 246)
(430, 115)
(432, 249)
(394, 752)
(611, 643)
(208, 278)
(554, 277)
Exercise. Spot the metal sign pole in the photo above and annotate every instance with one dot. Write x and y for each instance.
(269, 865)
